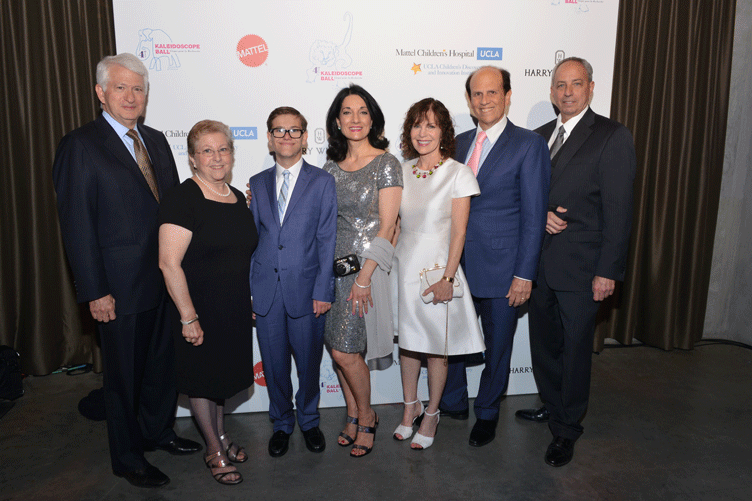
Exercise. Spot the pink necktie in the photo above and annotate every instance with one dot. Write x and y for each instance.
(475, 158)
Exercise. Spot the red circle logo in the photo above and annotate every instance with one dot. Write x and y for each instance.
(252, 50)
(258, 374)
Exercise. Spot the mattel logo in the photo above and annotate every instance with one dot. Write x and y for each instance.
(489, 53)
(244, 132)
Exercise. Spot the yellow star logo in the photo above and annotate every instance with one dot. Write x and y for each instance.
(415, 68)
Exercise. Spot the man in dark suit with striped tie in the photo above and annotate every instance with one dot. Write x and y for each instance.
(584, 251)
(109, 176)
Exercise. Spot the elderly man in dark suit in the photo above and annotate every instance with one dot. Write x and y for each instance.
(504, 233)
(109, 176)
(584, 251)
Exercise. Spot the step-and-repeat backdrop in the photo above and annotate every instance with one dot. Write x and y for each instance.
(235, 61)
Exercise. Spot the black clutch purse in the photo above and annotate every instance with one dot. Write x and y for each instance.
(346, 265)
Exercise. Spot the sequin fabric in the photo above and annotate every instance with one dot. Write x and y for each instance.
(357, 225)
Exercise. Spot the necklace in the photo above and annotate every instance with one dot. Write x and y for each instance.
(422, 173)
(212, 189)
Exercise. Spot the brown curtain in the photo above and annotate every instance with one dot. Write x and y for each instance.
(671, 87)
(49, 52)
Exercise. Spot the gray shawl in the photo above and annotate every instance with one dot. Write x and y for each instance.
(379, 320)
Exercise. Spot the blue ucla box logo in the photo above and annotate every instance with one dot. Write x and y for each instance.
(489, 53)
(244, 133)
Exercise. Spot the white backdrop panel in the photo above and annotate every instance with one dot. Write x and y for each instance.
(235, 61)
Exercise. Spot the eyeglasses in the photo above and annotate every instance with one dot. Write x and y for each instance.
(280, 132)
(209, 153)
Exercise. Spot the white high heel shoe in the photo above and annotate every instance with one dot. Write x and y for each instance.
(422, 441)
(407, 431)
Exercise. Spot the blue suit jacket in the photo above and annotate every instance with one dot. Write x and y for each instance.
(508, 219)
(300, 252)
(108, 214)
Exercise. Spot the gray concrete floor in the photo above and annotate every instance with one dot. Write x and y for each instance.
(661, 426)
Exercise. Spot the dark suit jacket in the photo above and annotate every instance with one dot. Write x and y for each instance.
(507, 220)
(592, 178)
(108, 215)
(300, 252)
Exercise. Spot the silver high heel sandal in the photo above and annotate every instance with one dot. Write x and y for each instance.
(407, 431)
(422, 441)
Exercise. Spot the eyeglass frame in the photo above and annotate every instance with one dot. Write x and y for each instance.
(285, 132)
(209, 153)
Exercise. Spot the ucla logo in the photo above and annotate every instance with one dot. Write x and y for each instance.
(489, 53)
(244, 133)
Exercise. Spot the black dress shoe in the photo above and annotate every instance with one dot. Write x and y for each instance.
(484, 431)
(461, 415)
(148, 477)
(279, 443)
(179, 446)
(314, 439)
(560, 451)
(536, 415)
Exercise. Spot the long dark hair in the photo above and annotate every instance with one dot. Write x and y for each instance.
(337, 150)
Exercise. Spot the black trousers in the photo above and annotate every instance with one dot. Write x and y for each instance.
(139, 387)
(562, 328)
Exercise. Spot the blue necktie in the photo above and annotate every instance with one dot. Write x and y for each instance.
(282, 200)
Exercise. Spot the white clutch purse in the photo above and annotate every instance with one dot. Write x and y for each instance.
(429, 276)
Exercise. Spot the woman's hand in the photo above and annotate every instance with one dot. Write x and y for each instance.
(442, 291)
(360, 297)
(193, 333)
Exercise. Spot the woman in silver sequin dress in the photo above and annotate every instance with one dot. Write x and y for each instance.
(369, 192)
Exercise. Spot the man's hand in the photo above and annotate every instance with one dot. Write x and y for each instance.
(103, 309)
(519, 291)
(555, 224)
(320, 307)
(602, 288)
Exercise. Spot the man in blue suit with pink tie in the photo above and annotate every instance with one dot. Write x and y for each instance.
(294, 206)
(504, 234)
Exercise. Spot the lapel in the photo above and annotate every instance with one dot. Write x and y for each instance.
(572, 145)
(489, 164)
(300, 185)
(115, 145)
(463, 144)
(271, 188)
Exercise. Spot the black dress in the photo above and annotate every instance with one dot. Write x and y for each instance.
(217, 266)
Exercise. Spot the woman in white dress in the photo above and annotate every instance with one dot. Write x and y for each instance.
(433, 221)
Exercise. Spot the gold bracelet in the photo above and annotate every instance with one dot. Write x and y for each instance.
(448, 279)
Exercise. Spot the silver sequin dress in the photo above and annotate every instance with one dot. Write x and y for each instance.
(357, 225)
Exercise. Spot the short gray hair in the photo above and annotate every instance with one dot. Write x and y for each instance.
(127, 61)
(583, 62)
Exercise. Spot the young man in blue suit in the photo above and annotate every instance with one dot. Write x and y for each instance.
(294, 205)
(504, 234)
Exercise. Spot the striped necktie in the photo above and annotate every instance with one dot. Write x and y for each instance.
(282, 200)
(142, 159)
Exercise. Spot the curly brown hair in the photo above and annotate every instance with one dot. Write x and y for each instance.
(416, 114)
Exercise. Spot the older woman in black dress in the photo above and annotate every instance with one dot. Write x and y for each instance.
(206, 239)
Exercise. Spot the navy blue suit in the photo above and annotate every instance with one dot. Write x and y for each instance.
(504, 234)
(291, 267)
(108, 219)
